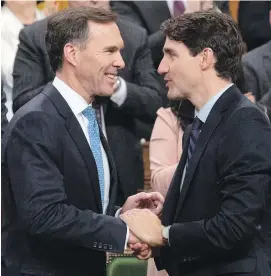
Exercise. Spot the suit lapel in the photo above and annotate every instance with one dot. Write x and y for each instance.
(80, 140)
(78, 137)
(173, 193)
(113, 175)
(207, 130)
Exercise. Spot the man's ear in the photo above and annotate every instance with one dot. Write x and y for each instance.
(70, 53)
(207, 58)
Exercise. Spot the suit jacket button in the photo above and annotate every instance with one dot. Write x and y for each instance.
(110, 247)
(95, 244)
(100, 245)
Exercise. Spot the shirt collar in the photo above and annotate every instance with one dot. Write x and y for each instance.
(75, 101)
(204, 112)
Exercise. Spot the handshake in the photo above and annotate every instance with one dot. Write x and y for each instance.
(144, 224)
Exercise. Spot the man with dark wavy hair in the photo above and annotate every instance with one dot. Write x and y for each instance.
(217, 210)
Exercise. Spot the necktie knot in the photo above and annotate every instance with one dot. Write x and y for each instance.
(89, 113)
(197, 123)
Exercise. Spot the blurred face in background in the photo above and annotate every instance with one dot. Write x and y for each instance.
(20, 4)
(103, 4)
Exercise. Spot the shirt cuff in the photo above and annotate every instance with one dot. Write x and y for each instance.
(127, 238)
(121, 94)
(127, 233)
(166, 233)
(117, 214)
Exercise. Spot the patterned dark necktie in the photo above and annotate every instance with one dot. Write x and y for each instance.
(178, 7)
(194, 135)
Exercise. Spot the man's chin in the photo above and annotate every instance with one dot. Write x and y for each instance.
(174, 95)
(171, 95)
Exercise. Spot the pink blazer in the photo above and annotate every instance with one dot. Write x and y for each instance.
(165, 153)
(165, 149)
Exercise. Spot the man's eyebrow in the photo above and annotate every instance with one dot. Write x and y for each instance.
(111, 48)
(168, 51)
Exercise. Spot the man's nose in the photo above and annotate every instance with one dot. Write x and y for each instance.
(163, 67)
(119, 62)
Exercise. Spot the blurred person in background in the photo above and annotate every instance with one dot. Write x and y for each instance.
(257, 74)
(257, 70)
(14, 16)
(137, 96)
(151, 14)
(166, 151)
(253, 21)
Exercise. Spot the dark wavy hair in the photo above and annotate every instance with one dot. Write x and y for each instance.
(209, 29)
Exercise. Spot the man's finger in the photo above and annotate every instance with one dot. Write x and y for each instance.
(157, 197)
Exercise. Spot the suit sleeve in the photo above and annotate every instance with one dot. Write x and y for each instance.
(128, 10)
(144, 94)
(250, 77)
(28, 71)
(33, 156)
(245, 177)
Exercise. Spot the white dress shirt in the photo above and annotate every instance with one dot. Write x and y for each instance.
(78, 104)
(10, 29)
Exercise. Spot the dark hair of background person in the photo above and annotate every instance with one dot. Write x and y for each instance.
(71, 26)
(220, 33)
(184, 110)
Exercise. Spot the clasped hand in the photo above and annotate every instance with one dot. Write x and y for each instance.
(145, 231)
(140, 212)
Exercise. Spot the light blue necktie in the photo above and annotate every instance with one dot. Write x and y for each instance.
(95, 144)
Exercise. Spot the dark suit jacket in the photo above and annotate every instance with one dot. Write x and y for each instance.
(220, 219)
(56, 227)
(32, 71)
(253, 21)
(257, 70)
(149, 15)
